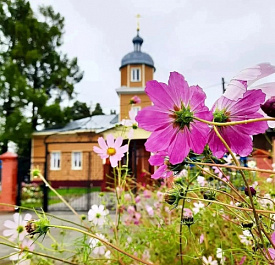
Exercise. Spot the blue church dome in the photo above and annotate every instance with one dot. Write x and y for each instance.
(137, 56)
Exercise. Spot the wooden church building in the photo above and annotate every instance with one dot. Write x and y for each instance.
(66, 155)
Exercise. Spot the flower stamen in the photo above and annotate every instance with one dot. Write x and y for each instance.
(111, 151)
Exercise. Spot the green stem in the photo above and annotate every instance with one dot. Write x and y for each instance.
(38, 253)
(233, 122)
(246, 184)
(59, 196)
(181, 225)
(231, 166)
(101, 240)
(231, 206)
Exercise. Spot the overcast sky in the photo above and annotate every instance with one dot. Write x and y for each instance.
(203, 40)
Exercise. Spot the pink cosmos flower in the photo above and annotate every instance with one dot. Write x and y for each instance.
(172, 118)
(22, 256)
(135, 100)
(272, 250)
(238, 137)
(159, 160)
(243, 81)
(147, 194)
(112, 149)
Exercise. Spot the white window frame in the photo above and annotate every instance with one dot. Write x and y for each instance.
(134, 74)
(73, 159)
(135, 110)
(55, 155)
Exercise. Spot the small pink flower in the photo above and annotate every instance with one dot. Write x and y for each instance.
(160, 196)
(137, 199)
(147, 194)
(127, 197)
(135, 100)
(241, 262)
(201, 238)
(187, 212)
(112, 149)
(149, 210)
(131, 210)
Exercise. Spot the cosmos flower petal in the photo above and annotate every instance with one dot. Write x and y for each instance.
(198, 97)
(17, 218)
(27, 217)
(198, 137)
(159, 172)
(102, 143)
(118, 142)
(176, 84)
(248, 104)
(215, 144)
(8, 232)
(110, 140)
(158, 94)
(158, 158)
(153, 118)
(101, 208)
(236, 88)
(123, 149)
(175, 150)
(239, 143)
(10, 224)
(254, 73)
(114, 161)
(98, 150)
(160, 140)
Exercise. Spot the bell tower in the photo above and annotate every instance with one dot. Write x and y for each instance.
(136, 69)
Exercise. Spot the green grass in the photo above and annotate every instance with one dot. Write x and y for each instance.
(74, 191)
(64, 192)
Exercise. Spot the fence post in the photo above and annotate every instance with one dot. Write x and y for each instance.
(9, 180)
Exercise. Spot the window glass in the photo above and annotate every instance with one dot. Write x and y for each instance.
(55, 160)
(76, 160)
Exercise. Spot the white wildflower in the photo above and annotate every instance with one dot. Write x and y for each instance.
(16, 229)
(98, 248)
(209, 261)
(22, 256)
(246, 238)
(198, 207)
(97, 214)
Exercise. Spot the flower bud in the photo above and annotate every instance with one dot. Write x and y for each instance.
(209, 195)
(172, 198)
(252, 190)
(40, 226)
(247, 225)
(188, 220)
(269, 107)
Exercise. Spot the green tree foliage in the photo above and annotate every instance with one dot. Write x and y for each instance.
(97, 110)
(35, 76)
(78, 111)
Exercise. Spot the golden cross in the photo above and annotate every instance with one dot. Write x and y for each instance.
(138, 17)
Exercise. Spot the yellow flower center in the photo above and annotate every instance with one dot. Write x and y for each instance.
(111, 151)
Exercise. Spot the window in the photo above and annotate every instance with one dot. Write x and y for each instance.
(135, 110)
(76, 160)
(55, 160)
(135, 75)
